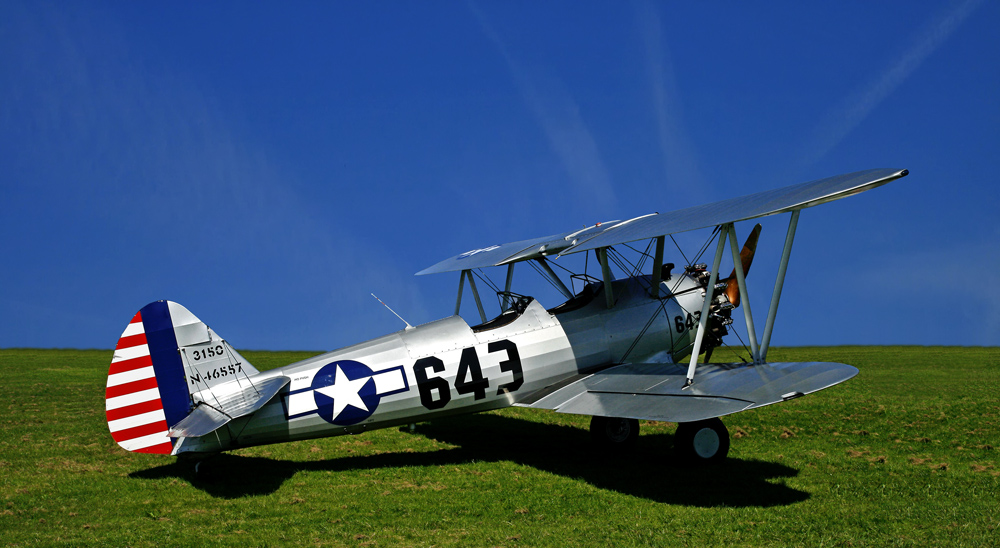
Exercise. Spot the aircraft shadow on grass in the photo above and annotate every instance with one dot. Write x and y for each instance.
(651, 471)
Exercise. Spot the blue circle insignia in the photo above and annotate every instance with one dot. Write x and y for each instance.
(345, 392)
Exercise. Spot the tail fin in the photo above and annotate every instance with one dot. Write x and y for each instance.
(164, 360)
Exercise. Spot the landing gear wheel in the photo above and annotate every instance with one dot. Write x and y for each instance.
(614, 432)
(704, 441)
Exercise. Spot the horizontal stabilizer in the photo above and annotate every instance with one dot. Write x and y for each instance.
(207, 418)
(655, 391)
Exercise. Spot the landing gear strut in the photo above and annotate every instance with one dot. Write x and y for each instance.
(614, 432)
(704, 441)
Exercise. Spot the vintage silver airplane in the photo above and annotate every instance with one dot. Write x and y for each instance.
(614, 350)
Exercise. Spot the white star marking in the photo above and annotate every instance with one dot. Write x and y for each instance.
(344, 392)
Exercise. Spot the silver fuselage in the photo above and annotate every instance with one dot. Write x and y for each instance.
(447, 367)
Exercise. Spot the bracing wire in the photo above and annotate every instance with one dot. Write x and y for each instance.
(486, 279)
(708, 242)
(543, 274)
(557, 265)
(623, 264)
(661, 308)
(679, 249)
(743, 344)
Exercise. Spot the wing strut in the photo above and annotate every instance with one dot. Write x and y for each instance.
(778, 283)
(713, 277)
(759, 352)
(741, 282)
(475, 293)
(657, 267)
(602, 257)
(510, 281)
(461, 285)
(555, 279)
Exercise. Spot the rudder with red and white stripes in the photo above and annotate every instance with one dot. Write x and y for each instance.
(147, 390)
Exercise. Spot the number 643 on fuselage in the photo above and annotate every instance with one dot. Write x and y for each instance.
(619, 350)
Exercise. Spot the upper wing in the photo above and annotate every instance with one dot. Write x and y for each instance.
(732, 210)
(488, 256)
(496, 255)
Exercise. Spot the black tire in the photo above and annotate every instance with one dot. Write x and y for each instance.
(614, 432)
(704, 441)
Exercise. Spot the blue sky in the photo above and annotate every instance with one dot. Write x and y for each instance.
(269, 166)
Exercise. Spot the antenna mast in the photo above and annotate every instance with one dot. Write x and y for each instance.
(408, 326)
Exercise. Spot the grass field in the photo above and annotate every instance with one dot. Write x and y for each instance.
(905, 454)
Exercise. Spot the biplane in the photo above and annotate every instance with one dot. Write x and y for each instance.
(638, 347)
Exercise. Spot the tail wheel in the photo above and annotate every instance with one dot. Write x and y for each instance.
(704, 441)
(614, 432)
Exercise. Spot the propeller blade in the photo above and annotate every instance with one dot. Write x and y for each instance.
(746, 258)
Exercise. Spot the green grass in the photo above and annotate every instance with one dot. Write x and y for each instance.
(905, 454)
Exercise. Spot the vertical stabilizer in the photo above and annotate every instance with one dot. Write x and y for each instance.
(148, 388)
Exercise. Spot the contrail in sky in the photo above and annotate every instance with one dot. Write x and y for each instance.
(858, 106)
(559, 116)
(172, 180)
(680, 168)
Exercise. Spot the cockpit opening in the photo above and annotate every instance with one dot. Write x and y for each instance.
(512, 306)
(591, 288)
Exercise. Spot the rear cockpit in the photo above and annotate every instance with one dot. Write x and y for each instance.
(512, 306)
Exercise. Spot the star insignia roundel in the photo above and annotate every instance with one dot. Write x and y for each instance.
(345, 392)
